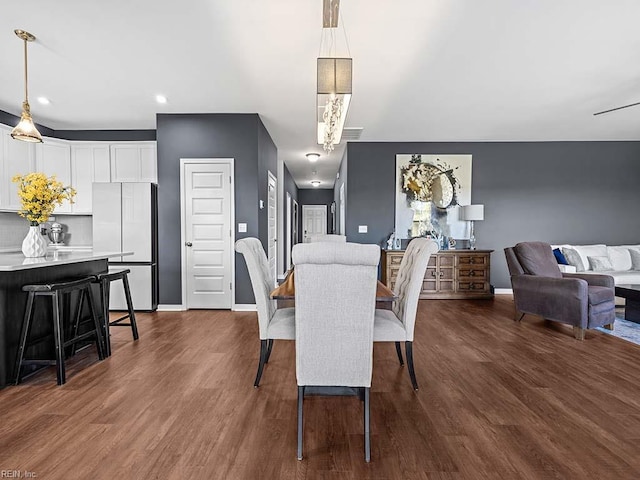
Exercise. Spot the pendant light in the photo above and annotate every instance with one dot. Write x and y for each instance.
(334, 74)
(26, 130)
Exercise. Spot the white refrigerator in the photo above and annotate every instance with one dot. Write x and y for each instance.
(125, 218)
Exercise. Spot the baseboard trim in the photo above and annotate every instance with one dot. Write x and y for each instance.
(171, 308)
(504, 291)
(244, 307)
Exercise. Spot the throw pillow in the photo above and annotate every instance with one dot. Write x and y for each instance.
(600, 264)
(635, 259)
(560, 257)
(620, 258)
(573, 257)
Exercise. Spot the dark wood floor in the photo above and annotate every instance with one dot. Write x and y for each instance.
(498, 400)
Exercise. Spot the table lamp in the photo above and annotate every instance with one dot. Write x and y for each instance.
(471, 213)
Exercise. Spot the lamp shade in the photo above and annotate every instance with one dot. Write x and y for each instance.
(334, 75)
(472, 212)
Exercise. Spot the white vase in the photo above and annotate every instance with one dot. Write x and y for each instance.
(34, 244)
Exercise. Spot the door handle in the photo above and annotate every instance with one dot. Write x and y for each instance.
(188, 244)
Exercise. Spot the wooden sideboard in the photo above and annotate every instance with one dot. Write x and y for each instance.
(451, 274)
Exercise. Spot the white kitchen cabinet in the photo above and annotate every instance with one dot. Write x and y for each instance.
(89, 163)
(17, 158)
(53, 157)
(134, 162)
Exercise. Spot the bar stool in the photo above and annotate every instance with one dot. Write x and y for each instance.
(105, 279)
(56, 291)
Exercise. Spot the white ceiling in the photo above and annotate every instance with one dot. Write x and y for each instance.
(424, 70)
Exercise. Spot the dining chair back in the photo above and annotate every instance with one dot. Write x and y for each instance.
(273, 323)
(409, 281)
(328, 238)
(335, 289)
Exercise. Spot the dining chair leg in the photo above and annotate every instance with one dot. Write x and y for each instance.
(300, 423)
(408, 346)
(269, 350)
(263, 357)
(399, 352)
(367, 431)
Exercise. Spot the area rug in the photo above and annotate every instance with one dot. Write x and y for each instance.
(624, 329)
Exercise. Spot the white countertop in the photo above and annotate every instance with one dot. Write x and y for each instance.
(12, 261)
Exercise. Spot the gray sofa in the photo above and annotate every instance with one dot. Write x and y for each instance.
(583, 300)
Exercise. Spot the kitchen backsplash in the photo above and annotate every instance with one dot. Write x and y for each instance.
(78, 230)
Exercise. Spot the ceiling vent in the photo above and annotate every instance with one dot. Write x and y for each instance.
(350, 134)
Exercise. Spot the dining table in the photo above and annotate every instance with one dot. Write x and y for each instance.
(286, 291)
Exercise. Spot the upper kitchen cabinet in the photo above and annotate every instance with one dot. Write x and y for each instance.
(89, 163)
(54, 158)
(134, 162)
(17, 158)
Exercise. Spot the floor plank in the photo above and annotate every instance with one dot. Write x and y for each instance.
(497, 399)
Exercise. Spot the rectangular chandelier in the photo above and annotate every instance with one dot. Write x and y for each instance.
(334, 94)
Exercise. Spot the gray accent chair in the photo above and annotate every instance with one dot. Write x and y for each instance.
(327, 238)
(397, 325)
(335, 304)
(539, 288)
(273, 323)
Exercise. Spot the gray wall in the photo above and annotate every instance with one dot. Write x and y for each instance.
(291, 188)
(315, 196)
(267, 162)
(87, 135)
(558, 192)
(237, 136)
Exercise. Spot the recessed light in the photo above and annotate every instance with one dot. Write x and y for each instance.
(316, 183)
(161, 99)
(43, 100)
(313, 157)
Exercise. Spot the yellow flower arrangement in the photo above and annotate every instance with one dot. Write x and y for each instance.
(39, 196)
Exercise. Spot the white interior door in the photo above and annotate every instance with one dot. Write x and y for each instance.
(207, 205)
(272, 222)
(314, 220)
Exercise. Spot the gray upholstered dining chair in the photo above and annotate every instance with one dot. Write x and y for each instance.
(539, 288)
(273, 324)
(397, 325)
(335, 304)
(328, 238)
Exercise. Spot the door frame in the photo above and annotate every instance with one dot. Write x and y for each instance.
(288, 235)
(343, 220)
(232, 237)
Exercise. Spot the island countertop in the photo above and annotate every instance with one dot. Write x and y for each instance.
(13, 261)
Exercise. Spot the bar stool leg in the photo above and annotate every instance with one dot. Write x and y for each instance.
(105, 285)
(132, 314)
(76, 323)
(26, 327)
(57, 333)
(96, 322)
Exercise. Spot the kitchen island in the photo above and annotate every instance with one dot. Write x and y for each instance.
(16, 271)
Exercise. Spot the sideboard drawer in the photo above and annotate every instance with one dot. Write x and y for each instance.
(473, 259)
(472, 273)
